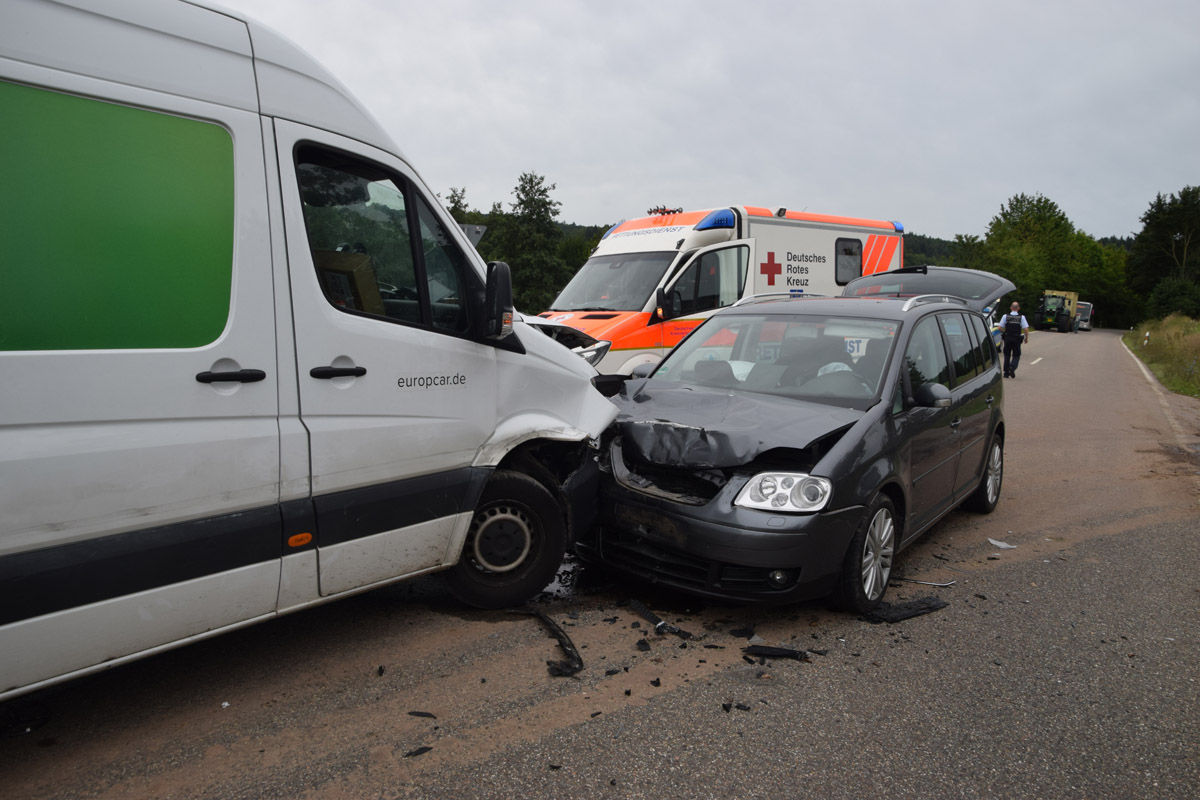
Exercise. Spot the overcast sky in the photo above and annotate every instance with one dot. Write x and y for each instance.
(930, 112)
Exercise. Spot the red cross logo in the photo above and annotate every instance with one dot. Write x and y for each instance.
(770, 268)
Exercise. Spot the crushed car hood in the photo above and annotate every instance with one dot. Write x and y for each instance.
(686, 426)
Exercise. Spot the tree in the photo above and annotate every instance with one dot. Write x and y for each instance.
(1168, 246)
(456, 204)
(528, 239)
(1031, 242)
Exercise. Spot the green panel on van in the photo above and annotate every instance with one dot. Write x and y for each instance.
(116, 225)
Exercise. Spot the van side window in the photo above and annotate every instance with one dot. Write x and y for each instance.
(714, 280)
(446, 269)
(359, 221)
(848, 260)
(117, 229)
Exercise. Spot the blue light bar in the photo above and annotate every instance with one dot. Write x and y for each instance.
(613, 228)
(721, 218)
(898, 226)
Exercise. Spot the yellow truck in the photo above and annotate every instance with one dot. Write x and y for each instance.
(1056, 310)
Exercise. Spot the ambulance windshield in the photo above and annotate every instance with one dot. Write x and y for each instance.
(619, 282)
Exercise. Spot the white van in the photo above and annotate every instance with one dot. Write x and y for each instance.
(250, 363)
(650, 281)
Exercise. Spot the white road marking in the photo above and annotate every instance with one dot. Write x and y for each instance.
(1039, 358)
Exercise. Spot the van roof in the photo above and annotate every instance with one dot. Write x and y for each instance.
(187, 48)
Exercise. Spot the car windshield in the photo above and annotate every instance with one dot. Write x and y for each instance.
(621, 282)
(825, 359)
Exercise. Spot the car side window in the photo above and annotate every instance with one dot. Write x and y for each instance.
(984, 347)
(360, 220)
(714, 280)
(925, 356)
(962, 349)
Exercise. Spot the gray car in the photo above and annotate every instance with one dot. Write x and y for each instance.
(789, 449)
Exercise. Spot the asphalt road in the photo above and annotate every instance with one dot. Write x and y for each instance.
(1064, 665)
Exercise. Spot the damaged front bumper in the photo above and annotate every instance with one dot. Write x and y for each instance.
(709, 547)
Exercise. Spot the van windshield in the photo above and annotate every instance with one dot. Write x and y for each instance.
(621, 282)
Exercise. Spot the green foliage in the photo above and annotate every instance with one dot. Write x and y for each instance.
(1168, 245)
(1171, 349)
(1175, 296)
(920, 250)
(528, 239)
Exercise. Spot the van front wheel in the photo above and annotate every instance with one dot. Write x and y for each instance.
(514, 546)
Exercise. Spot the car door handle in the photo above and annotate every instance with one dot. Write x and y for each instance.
(990, 399)
(240, 376)
(325, 373)
(956, 422)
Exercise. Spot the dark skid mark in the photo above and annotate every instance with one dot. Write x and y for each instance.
(902, 611)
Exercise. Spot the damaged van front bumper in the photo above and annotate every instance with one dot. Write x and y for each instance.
(711, 548)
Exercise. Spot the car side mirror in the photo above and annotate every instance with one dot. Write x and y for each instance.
(644, 370)
(498, 302)
(932, 395)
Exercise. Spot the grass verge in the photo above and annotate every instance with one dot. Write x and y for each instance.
(1171, 349)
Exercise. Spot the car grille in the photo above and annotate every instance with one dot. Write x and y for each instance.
(681, 485)
(632, 552)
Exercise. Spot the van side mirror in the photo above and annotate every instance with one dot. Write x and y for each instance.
(662, 309)
(932, 395)
(498, 302)
(609, 385)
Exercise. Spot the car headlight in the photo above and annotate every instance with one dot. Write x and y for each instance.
(787, 492)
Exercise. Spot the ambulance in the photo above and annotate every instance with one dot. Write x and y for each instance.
(652, 280)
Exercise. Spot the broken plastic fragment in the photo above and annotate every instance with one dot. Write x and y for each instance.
(643, 645)
(660, 625)
(424, 714)
(1002, 545)
(573, 662)
(775, 652)
(420, 751)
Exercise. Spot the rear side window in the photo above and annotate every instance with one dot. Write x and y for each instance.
(849, 260)
(117, 225)
(984, 347)
(962, 348)
(378, 247)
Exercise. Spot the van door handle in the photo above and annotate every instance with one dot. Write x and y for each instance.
(240, 376)
(990, 399)
(956, 422)
(325, 373)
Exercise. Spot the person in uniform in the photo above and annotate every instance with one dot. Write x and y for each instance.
(1014, 332)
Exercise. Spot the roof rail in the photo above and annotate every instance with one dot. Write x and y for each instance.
(766, 296)
(932, 298)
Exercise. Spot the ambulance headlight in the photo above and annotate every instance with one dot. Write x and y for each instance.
(794, 492)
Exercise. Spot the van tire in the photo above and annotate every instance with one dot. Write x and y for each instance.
(514, 546)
